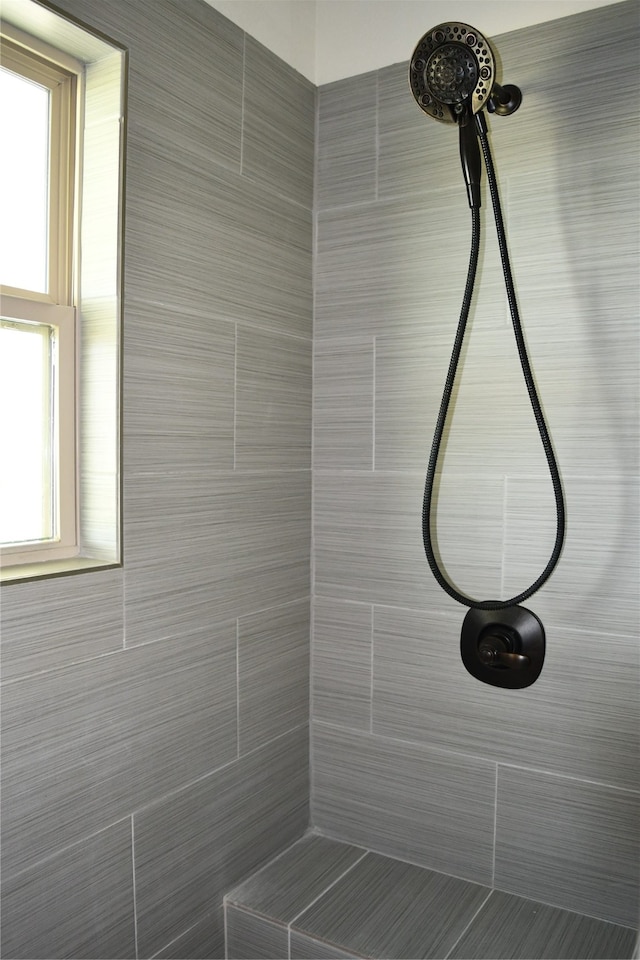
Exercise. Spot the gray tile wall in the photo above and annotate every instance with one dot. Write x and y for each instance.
(155, 717)
(535, 791)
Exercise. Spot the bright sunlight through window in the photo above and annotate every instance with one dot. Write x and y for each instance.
(24, 182)
(26, 365)
(63, 134)
(37, 324)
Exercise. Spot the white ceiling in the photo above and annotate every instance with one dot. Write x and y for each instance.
(328, 40)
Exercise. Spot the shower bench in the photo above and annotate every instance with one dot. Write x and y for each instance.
(323, 898)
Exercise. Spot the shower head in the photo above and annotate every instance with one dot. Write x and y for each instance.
(452, 75)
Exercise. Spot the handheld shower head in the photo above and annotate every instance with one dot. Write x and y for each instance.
(453, 73)
(452, 76)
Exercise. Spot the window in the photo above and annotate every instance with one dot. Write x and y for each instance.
(37, 328)
(62, 129)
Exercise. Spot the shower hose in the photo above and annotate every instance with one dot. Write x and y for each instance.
(437, 571)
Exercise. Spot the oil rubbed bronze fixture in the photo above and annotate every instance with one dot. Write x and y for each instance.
(452, 76)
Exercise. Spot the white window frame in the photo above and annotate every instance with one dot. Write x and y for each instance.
(56, 306)
(88, 72)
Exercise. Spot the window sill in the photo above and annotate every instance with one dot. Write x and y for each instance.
(53, 568)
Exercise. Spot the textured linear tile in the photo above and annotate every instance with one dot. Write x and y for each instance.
(490, 426)
(405, 800)
(592, 431)
(273, 401)
(594, 586)
(415, 151)
(202, 941)
(310, 948)
(278, 124)
(386, 908)
(283, 888)
(178, 390)
(576, 844)
(202, 103)
(256, 937)
(341, 663)
(198, 236)
(512, 928)
(273, 673)
(346, 165)
(84, 745)
(48, 623)
(580, 720)
(203, 109)
(368, 537)
(343, 404)
(377, 269)
(76, 904)
(193, 846)
(207, 548)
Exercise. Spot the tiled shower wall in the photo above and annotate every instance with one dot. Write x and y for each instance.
(155, 718)
(535, 790)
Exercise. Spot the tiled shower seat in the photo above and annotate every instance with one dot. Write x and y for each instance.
(322, 898)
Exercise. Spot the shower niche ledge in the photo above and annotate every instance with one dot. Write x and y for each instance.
(323, 898)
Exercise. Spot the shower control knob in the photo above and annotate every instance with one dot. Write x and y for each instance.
(494, 654)
(504, 647)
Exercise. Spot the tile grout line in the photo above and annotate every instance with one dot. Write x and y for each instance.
(235, 394)
(469, 925)
(133, 878)
(373, 404)
(329, 887)
(237, 688)
(372, 631)
(495, 828)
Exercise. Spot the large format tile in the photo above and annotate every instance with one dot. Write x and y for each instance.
(204, 940)
(199, 236)
(278, 125)
(79, 903)
(178, 390)
(210, 547)
(405, 800)
(200, 98)
(386, 908)
(49, 623)
(191, 847)
(490, 427)
(273, 673)
(272, 401)
(286, 886)
(594, 586)
(414, 151)
(85, 745)
(341, 663)
(368, 537)
(346, 165)
(302, 947)
(580, 718)
(343, 404)
(576, 844)
(247, 935)
(378, 269)
(512, 928)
